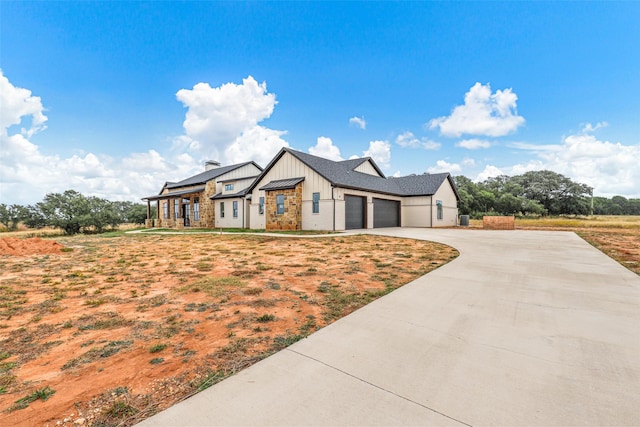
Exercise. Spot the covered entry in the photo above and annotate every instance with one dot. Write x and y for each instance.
(386, 213)
(355, 209)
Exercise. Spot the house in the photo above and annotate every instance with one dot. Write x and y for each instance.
(299, 191)
(194, 201)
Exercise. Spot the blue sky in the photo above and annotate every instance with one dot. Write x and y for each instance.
(115, 98)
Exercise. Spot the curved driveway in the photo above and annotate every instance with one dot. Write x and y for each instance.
(523, 328)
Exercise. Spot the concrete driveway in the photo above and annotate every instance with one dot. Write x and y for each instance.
(524, 328)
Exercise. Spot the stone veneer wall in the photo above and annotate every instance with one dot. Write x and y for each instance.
(207, 210)
(292, 217)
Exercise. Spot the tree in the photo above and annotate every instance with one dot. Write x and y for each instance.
(10, 216)
(555, 192)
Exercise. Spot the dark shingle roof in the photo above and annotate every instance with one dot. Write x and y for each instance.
(343, 174)
(206, 176)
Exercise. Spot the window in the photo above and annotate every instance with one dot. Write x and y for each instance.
(228, 187)
(316, 202)
(196, 209)
(235, 209)
(176, 209)
(439, 205)
(221, 209)
(165, 209)
(261, 206)
(280, 204)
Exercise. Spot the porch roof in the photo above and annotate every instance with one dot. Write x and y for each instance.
(282, 184)
(174, 194)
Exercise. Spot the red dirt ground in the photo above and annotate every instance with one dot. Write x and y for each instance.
(126, 326)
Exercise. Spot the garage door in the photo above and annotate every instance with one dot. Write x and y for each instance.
(386, 213)
(354, 212)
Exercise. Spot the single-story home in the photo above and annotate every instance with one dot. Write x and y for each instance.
(190, 202)
(299, 191)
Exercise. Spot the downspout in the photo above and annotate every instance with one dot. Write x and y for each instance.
(334, 206)
(431, 212)
(244, 202)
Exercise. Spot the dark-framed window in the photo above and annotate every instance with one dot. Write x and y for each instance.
(439, 207)
(235, 209)
(165, 209)
(176, 209)
(261, 206)
(316, 202)
(228, 187)
(221, 209)
(196, 208)
(280, 204)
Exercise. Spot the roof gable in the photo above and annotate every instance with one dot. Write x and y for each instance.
(343, 174)
(206, 176)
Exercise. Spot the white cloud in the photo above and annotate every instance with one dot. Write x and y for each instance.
(468, 162)
(444, 166)
(324, 148)
(489, 171)
(483, 113)
(358, 121)
(26, 174)
(408, 139)
(611, 168)
(17, 104)
(473, 144)
(380, 152)
(221, 123)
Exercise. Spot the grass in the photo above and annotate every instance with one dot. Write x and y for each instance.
(40, 394)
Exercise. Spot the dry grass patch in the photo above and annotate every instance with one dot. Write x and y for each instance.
(123, 327)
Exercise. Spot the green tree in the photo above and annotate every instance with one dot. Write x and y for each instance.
(555, 192)
(10, 216)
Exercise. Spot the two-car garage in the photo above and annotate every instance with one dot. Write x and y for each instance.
(386, 213)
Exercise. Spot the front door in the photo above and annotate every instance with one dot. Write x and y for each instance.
(186, 213)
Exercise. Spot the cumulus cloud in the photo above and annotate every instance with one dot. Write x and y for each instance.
(222, 123)
(17, 104)
(358, 121)
(610, 167)
(483, 113)
(380, 152)
(408, 139)
(473, 144)
(490, 171)
(26, 174)
(324, 148)
(444, 166)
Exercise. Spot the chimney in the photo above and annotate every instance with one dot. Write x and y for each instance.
(211, 164)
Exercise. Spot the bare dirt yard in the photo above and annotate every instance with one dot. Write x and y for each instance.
(107, 331)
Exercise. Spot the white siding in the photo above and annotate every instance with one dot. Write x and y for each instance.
(449, 206)
(416, 211)
(229, 221)
(244, 171)
(340, 215)
(290, 167)
(367, 168)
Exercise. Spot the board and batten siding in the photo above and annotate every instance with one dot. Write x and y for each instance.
(242, 172)
(367, 168)
(288, 167)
